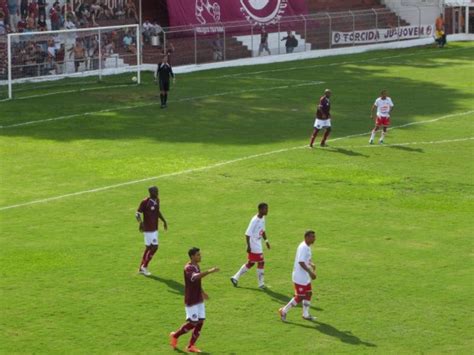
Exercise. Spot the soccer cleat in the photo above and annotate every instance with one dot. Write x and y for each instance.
(323, 145)
(173, 340)
(310, 146)
(282, 315)
(192, 349)
(144, 271)
(381, 141)
(234, 281)
(262, 286)
(371, 141)
(310, 318)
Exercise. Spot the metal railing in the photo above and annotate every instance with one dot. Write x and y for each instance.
(240, 39)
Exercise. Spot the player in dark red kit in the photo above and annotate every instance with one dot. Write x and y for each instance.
(163, 74)
(194, 297)
(150, 208)
(323, 119)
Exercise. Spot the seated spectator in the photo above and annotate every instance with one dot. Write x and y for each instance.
(131, 10)
(58, 61)
(21, 25)
(128, 43)
(30, 23)
(96, 9)
(119, 12)
(107, 10)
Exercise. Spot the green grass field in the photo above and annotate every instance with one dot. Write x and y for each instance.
(394, 222)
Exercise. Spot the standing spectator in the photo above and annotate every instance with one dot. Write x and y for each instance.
(107, 11)
(79, 55)
(21, 25)
(42, 26)
(218, 48)
(42, 8)
(263, 42)
(59, 59)
(30, 23)
(12, 11)
(291, 42)
(55, 18)
(440, 31)
(168, 51)
(33, 10)
(147, 31)
(41, 57)
(69, 23)
(24, 8)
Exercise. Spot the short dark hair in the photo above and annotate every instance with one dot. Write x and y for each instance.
(193, 251)
(262, 205)
(309, 232)
(154, 187)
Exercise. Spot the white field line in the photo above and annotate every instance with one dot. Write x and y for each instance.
(227, 162)
(444, 141)
(192, 98)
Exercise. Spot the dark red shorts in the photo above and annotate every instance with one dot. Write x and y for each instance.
(302, 290)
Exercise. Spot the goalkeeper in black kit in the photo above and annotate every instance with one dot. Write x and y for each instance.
(163, 74)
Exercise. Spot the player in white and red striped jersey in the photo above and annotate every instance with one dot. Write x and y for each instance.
(384, 106)
(254, 235)
(304, 271)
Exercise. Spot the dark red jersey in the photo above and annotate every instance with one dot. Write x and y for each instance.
(324, 108)
(150, 210)
(192, 285)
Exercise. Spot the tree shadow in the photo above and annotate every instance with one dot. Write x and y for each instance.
(249, 113)
(276, 296)
(347, 152)
(344, 336)
(174, 286)
(406, 148)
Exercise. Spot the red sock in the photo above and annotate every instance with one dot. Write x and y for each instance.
(149, 257)
(313, 137)
(326, 135)
(186, 327)
(144, 257)
(196, 333)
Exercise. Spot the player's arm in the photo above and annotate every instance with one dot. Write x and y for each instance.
(247, 239)
(311, 273)
(264, 236)
(201, 275)
(372, 110)
(172, 74)
(138, 217)
(160, 216)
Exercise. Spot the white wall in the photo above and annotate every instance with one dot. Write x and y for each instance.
(429, 10)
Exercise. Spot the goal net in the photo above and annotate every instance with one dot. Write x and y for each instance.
(40, 63)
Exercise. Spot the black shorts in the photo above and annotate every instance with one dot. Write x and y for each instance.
(164, 85)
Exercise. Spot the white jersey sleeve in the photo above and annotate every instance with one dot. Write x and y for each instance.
(303, 254)
(255, 230)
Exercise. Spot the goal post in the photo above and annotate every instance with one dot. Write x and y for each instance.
(83, 56)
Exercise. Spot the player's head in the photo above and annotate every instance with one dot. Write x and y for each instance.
(195, 254)
(153, 191)
(263, 209)
(327, 92)
(384, 93)
(165, 58)
(309, 237)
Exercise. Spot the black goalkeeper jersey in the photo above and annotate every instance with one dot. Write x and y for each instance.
(164, 72)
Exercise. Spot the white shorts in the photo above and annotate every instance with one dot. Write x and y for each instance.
(196, 312)
(322, 123)
(151, 238)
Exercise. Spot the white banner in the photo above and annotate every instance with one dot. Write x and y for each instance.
(382, 35)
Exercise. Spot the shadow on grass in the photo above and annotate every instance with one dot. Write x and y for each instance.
(174, 286)
(277, 297)
(406, 149)
(344, 336)
(343, 151)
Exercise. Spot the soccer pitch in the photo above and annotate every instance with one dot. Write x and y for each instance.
(394, 222)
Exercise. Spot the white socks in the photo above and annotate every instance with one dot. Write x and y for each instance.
(290, 305)
(372, 136)
(260, 277)
(306, 305)
(242, 271)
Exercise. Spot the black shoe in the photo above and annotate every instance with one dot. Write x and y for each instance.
(234, 281)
